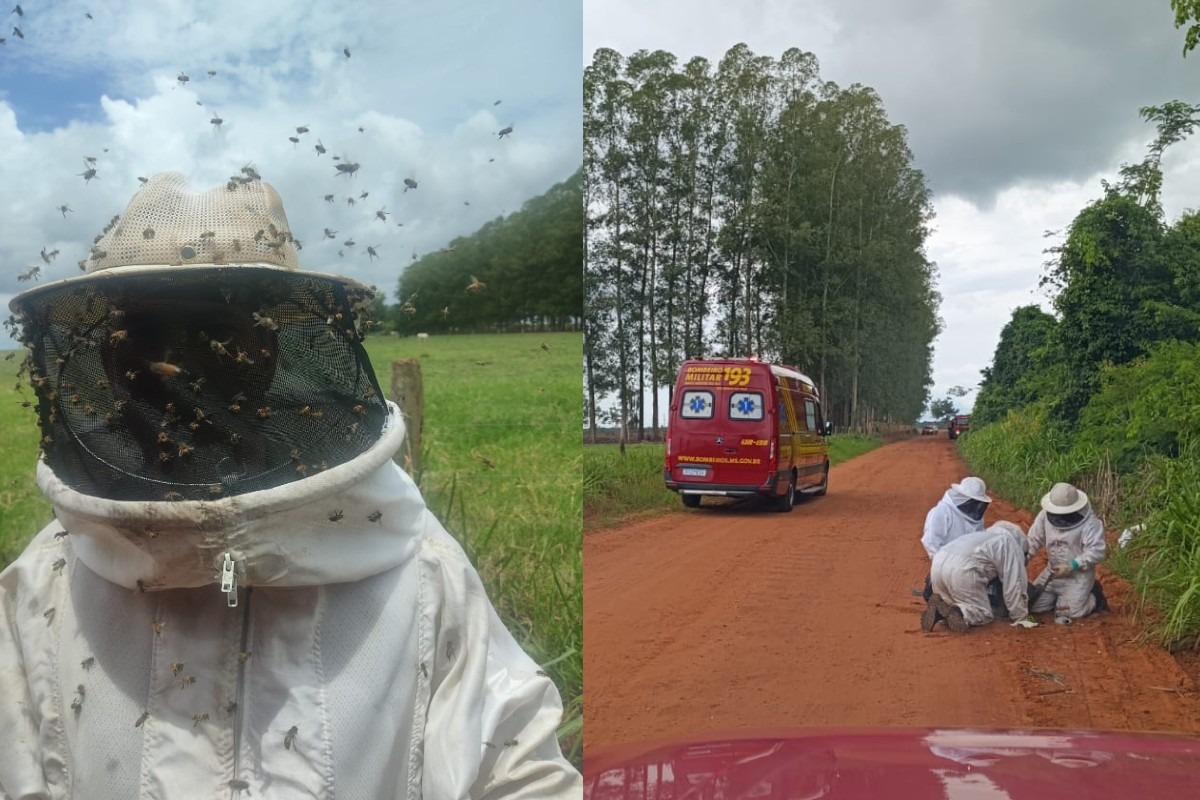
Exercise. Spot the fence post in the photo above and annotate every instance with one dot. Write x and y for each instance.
(408, 392)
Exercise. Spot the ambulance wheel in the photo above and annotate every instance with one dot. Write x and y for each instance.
(690, 500)
(824, 487)
(788, 501)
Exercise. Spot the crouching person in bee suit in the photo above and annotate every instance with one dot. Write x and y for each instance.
(1074, 539)
(962, 570)
(242, 594)
(959, 512)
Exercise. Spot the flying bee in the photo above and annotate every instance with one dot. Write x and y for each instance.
(88, 174)
(328, 198)
(118, 336)
(320, 148)
(264, 412)
(215, 489)
(346, 168)
(359, 409)
(244, 656)
(153, 534)
(196, 384)
(157, 626)
(163, 370)
(173, 497)
(318, 415)
(304, 412)
(186, 681)
(409, 183)
(349, 243)
(163, 438)
(242, 357)
(49, 616)
(295, 454)
(302, 469)
(330, 234)
(511, 743)
(235, 438)
(88, 663)
(91, 412)
(176, 668)
(350, 201)
(184, 450)
(164, 456)
(476, 285)
(372, 252)
(449, 649)
(77, 703)
(61, 534)
(289, 738)
(118, 405)
(198, 718)
(58, 565)
(101, 384)
(336, 515)
(231, 707)
(76, 399)
(142, 719)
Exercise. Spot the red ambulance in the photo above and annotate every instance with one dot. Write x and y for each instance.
(742, 427)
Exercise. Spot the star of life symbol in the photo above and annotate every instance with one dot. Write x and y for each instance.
(745, 406)
(698, 405)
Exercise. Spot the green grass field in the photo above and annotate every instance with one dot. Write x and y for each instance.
(500, 467)
(615, 487)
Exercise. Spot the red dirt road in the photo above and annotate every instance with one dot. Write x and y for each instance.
(720, 619)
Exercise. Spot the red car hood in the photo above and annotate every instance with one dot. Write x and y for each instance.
(900, 764)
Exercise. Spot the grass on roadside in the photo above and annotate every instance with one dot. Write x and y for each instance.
(617, 486)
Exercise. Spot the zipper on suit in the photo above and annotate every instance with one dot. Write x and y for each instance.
(230, 588)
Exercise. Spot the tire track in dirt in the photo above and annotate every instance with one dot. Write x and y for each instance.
(728, 618)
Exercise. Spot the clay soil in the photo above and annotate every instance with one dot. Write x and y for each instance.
(721, 619)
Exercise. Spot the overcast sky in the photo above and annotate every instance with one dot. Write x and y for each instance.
(423, 79)
(1015, 111)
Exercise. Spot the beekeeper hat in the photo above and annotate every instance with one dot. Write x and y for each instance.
(972, 487)
(194, 359)
(1064, 498)
(169, 228)
(1014, 531)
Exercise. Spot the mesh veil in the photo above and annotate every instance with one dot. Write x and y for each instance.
(199, 383)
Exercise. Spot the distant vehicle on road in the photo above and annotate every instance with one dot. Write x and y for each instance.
(929, 430)
(743, 427)
(959, 424)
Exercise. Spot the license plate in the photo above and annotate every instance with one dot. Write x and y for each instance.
(694, 472)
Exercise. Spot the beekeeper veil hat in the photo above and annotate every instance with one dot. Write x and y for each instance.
(194, 359)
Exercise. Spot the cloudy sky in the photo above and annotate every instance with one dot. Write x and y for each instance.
(1015, 111)
(430, 84)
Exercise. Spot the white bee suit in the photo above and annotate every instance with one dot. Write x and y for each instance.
(363, 658)
(1070, 596)
(962, 569)
(945, 522)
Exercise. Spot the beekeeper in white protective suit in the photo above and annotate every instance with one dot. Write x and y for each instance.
(962, 570)
(1074, 540)
(959, 512)
(242, 595)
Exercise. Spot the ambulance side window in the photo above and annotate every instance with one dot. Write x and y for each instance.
(785, 422)
(810, 413)
(696, 404)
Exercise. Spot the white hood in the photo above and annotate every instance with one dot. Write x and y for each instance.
(291, 535)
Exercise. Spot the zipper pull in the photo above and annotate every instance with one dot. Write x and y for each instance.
(229, 581)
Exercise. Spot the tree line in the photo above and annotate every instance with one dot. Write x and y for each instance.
(1115, 366)
(517, 272)
(750, 208)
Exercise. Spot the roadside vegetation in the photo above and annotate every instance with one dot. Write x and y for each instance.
(500, 467)
(1106, 392)
(616, 486)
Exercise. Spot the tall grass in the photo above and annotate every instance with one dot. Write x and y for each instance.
(500, 467)
(617, 486)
